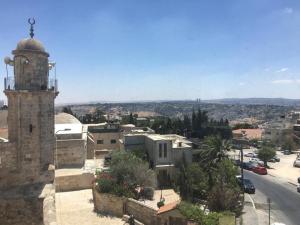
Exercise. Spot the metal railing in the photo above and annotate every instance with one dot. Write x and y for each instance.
(9, 84)
(53, 85)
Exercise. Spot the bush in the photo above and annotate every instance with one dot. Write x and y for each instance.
(106, 184)
(195, 213)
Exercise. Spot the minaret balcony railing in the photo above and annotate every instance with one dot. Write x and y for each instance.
(9, 84)
(53, 85)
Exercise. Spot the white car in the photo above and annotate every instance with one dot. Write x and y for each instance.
(250, 154)
(257, 161)
(297, 162)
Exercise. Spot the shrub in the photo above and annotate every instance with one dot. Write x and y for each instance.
(195, 213)
(106, 184)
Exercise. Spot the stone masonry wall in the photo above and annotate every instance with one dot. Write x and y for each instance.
(8, 163)
(70, 153)
(25, 211)
(74, 182)
(90, 148)
(141, 212)
(109, 204)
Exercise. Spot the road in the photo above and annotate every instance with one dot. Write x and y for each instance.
(285, 205)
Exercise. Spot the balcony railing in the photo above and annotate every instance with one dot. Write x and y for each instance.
(9, 84)
(53, 85)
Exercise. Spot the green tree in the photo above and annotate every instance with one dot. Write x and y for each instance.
(266, 153)
(128, 168)
(225, 194)
(131, 119)
(196, 181)
(187, 122)
(216, 151)
(67, 109)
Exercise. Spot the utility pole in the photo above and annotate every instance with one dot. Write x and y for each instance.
(242, 161)
(269, 204)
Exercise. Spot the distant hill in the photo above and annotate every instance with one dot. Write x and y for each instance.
(256, 101)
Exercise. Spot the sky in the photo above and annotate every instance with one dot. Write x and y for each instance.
(133, 50)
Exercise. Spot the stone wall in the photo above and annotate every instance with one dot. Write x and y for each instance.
(8, 156)
(141, 212)
(8, 164)
(49, 210)
(28, 205)
(106, 139)
(90, 147)
(74, 182)
(25, 211)
(70, 153)
(108, 204)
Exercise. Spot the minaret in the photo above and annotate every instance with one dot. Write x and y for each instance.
(31, 110)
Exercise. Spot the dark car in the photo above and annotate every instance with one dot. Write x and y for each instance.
(248, 186)
(275, 159)
(286, 152)
(298, 188)
(247, 166)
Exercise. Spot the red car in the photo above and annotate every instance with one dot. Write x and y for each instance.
(260, 170)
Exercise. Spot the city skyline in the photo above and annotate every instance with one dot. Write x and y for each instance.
(170, 50)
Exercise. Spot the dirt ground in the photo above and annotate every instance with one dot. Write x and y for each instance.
(76, 208)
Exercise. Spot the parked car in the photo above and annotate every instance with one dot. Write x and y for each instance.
(260, 170)
(251, 155)
(286, 152)
(298, 188)
(275, 159)
(248, 187)
(297, 162)
(247, 166)
(298, 180)
(256, 160)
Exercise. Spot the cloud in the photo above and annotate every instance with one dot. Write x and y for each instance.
(282, 70)
(288, 10)
(242, 83)
(287, 81)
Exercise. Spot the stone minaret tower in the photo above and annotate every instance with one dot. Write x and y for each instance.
(31, 113)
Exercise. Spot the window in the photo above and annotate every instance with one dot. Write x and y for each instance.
(160, 150)
(99, 142)
(113, 141)
(165, 150)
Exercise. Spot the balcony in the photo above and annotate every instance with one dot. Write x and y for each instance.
(9, 84)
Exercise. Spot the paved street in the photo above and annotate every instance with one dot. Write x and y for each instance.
(285, 199)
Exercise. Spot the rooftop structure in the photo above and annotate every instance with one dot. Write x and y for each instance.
(164, 152)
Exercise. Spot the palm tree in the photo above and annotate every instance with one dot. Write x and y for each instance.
(215, 152)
